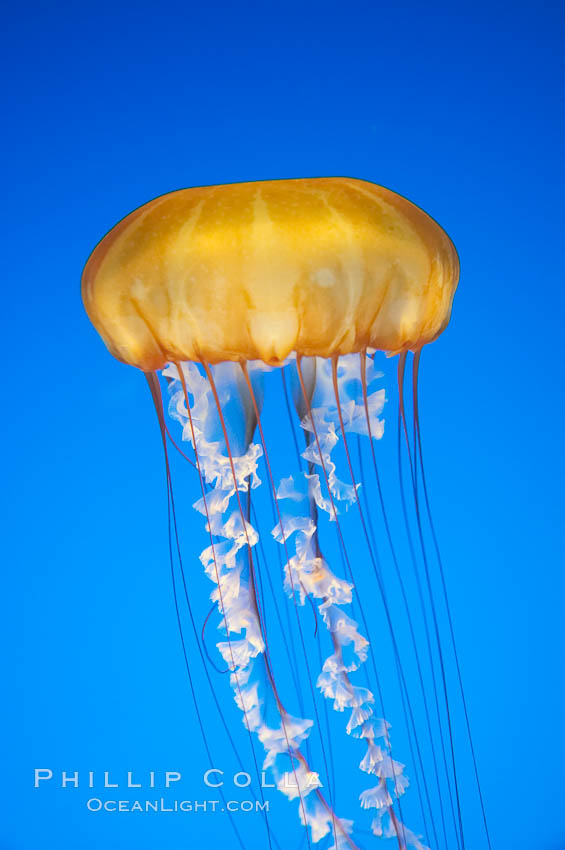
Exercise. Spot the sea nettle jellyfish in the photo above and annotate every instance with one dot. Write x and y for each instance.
(263, 306)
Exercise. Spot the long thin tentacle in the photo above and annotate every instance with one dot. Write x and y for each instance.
(400, 579)
(401, 367)
(280, 522)
(418, 439)
(222, 607)
(155, 389)
(282, 710)
(339, 531)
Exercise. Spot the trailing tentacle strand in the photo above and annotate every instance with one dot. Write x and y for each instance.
(228, 562)
(309, 571)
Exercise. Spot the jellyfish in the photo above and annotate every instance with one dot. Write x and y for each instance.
(261, 309)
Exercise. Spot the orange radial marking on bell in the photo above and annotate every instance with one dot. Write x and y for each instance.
(255, 271)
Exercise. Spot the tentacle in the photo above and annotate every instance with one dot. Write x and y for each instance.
(235, 677)
(375, 566)
(293, 588)
(292, 750)
(155, 389)
(179, 450)
(240, 589)
(420, 459)
(335, 489)
(401, 366)
(398, 573)
(421, 599)
(240, 473)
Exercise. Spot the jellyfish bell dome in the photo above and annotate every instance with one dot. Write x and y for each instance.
(255, 271)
